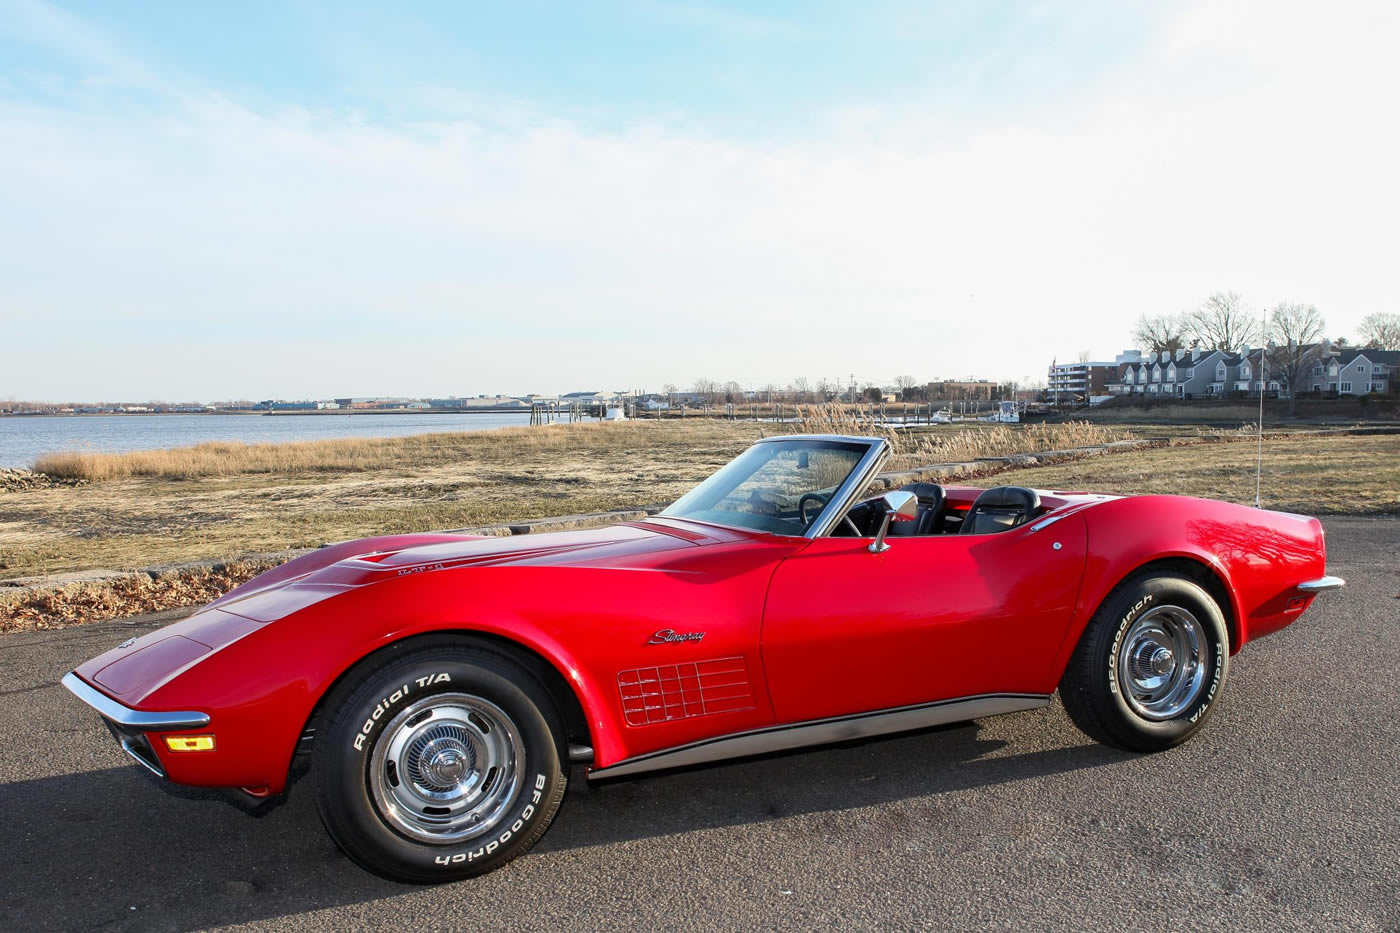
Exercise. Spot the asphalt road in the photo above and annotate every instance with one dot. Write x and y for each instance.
(1282, 814)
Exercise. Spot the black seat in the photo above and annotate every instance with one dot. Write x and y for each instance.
(1000, 508)
(930, 496)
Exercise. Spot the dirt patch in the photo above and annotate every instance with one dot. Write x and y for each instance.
(120, 597)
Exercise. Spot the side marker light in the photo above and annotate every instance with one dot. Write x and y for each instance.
(190, 743)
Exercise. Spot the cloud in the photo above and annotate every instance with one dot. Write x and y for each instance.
(304, 252)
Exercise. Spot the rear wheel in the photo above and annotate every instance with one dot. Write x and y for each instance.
(1150, 664)
(438, 763)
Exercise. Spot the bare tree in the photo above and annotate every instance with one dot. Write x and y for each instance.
(800, 390)
(1380, 331)
(1155, 333)
(707, 391)
(670, 390)
(1296, 332)
(904, 384)
(733, 392)
(826, 390)
(1084, 356)
(1223, 322)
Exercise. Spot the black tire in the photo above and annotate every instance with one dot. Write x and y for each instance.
(438, 718)
(1108, 687)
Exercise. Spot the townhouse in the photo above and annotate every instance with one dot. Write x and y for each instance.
(1196, 373)
(1188, 373)
(1356, 372)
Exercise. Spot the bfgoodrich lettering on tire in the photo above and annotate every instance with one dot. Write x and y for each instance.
(1150, 665)
(440, 761)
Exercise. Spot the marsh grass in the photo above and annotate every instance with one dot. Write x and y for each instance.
(341, 455)
(220, 501)
(920, 445)
(930, 444)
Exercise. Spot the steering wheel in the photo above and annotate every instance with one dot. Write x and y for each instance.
(816, 497)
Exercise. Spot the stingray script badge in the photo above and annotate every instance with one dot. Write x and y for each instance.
(669, 635)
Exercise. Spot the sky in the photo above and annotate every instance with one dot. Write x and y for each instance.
(305, 200)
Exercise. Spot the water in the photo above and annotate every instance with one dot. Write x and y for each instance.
(22, 439)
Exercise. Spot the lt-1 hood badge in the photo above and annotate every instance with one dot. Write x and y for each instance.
(668, 635)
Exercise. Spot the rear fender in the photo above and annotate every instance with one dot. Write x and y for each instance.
(1256, 556)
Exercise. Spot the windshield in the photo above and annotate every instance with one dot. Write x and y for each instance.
(775, 486)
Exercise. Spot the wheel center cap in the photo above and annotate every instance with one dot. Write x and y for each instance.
(1162, 661)
(447, 766)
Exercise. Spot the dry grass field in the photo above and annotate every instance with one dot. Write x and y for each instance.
(200, 503)
(218, 501)
(1315, 474)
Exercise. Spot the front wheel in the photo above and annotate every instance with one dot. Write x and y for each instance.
(439, 762)
(1150, 665)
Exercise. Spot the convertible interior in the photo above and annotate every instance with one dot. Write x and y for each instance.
(955, 510)
(784, 485)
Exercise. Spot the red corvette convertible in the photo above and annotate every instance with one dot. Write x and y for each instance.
(437, 687)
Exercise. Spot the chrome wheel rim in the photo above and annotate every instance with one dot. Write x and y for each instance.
(1162, 663)
(446, 768)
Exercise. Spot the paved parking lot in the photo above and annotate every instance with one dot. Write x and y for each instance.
(1281, 815)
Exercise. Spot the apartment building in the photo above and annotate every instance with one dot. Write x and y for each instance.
(1070, 380)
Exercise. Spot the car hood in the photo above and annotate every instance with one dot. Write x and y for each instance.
(354, 564)
(140, 666)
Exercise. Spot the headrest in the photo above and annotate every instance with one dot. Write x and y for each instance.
(927, 493)
(1008, 497)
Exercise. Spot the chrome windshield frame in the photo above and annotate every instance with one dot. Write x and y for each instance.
(876, 452)
(855, 483)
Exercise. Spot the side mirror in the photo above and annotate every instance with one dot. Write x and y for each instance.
(900, 506)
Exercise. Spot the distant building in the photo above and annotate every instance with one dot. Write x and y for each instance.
(952, 391)
(280, 405)
(1196, 373)
(1079, 381)
(1192, 373)
(1357, 372)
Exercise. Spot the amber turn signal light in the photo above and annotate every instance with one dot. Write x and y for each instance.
(190, 743)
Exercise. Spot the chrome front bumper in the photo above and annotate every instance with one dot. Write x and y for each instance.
(129, 726)
(1322, 583)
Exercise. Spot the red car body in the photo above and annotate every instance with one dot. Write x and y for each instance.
(676, 639)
